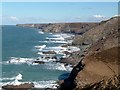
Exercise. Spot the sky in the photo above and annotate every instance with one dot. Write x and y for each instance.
(56, 12)
(60, 0)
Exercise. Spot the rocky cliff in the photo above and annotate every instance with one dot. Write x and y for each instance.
(77, 28)
(99, 49)
(101, 59)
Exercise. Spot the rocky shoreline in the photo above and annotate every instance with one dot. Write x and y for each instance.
(96, 65)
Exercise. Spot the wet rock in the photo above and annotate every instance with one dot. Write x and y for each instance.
(54, 57)
(49, 52)
(64, 45)
(25, 86)
(67, 53)
(39, 62)
(47, 57)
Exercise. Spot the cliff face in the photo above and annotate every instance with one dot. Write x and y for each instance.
(99, 32)
(101, 71)
(77, 28)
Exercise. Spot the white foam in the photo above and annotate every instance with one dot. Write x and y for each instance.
(45, 84)
(50, 33)
(59, 49)
(40, 32)
(15, 82)
(72, 49)
(6, 79)
(18, 77)
(58, 38)
(45, 60)
(61, 42)
(63, 35)
(69, 67)
(40, 47)
(40, 53)
(29, 61)
(49, 60)
(37, 84)
(56, 41)
(56, 49)
(17, 60)
(58, 66)
(43, 41)
(56, 35)
(12, 81)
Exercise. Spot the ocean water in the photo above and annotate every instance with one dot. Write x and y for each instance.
(19, 43)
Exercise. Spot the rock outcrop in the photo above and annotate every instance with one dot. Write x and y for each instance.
(77, 28)
(101, 48)
(49, 52)
(39, 62)
(25, 86)
(101, 71)
(99, 33)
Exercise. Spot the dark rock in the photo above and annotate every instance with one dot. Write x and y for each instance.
(39, 62)
(47, 57)
(67, 53)
(64, 45)
(54, 57)
(49, 52)
(69, 83)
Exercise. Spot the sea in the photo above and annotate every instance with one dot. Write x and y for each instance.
(21, 46)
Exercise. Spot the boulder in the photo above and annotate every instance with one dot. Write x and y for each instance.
(25, 86)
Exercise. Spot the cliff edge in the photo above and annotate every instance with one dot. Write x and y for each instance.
(101, 57)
